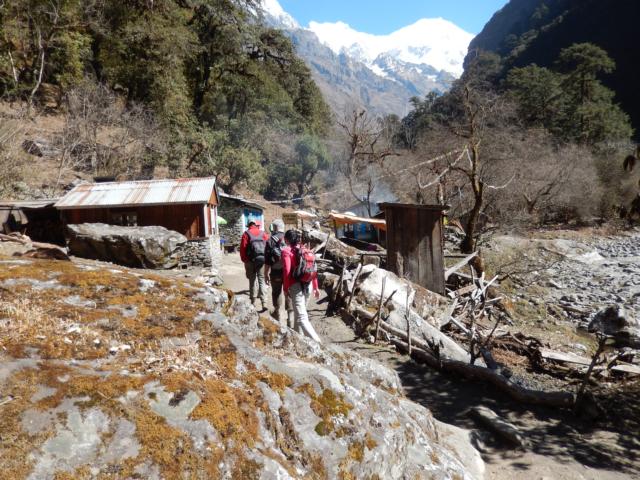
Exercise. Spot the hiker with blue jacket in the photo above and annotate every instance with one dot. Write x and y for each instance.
(252, 253)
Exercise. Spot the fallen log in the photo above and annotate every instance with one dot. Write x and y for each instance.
(490, 419)
(475, 372)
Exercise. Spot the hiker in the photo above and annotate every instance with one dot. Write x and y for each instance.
(300, 277)
(273, 271)
(252, 250)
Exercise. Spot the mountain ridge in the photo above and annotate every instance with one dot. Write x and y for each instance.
(535, 31)
(379, 72)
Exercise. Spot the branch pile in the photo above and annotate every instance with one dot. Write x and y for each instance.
(458, 333)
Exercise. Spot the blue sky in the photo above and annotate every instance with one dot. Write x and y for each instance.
(385, 16)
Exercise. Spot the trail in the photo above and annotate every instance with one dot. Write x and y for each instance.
(562, 446)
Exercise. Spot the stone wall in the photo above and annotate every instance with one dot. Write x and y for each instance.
(231, 211)
(203, 252)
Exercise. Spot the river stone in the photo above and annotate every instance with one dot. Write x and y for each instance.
(140, 247)
(617, 323)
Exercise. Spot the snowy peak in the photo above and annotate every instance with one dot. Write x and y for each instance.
(435, 42)
(278, 15)
(379, 72)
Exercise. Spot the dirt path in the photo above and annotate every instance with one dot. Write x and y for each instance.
(562, 446)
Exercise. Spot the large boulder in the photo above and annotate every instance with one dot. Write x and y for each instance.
(615, 322)
(194, 384)
(140, 247)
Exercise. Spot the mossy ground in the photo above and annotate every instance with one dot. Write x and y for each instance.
(41, 323)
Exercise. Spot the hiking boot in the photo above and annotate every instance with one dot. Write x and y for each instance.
(276, 314)
(264, 305)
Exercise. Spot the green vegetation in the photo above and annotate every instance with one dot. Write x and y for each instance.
(572, 102)
(217, 82)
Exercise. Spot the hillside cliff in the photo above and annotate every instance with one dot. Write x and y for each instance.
(535, 31)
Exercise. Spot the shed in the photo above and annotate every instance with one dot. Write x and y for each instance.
(185, 205)
(415, 243)
(238, 212)
(354, 227)
(37, 219)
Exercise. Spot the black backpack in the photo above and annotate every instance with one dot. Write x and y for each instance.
(255, 248)
(274, 250)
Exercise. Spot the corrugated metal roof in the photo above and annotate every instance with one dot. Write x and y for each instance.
(146, 192)
(8, 204)
(242, 200)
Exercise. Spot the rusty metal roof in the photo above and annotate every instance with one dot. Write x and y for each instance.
(242, 200)
(145, 192)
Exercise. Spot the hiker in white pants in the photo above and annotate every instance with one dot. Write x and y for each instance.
(298, 292)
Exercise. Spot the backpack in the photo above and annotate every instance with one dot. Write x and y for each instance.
(274, 251)
(306, 269)
(255, 248)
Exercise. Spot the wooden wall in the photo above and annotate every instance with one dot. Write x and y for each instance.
(186, 219)
(415, 244)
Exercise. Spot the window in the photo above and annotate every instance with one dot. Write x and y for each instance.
(125, 219)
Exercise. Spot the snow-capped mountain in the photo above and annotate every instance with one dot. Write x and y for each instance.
(434, 42)
(380, 72)
(278, 16)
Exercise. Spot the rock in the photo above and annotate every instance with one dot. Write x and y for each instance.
(140, 247)
(554, 284)
(40, 148)
(615, 322)
(460, 441)
(205, 388)
(52, 252)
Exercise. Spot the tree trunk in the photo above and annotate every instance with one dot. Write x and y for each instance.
(468, 244)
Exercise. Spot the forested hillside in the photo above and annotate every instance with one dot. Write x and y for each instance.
(198, 87)
(535, 31)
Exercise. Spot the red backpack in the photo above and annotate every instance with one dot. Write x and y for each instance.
(306, 269)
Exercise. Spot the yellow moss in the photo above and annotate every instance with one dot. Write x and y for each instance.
(81, 473)
(270, 330)
(276, 381)
(317, 470)
(15, 444)
(356, 451)
(168, 447)
(245, 469)
(231, 411)
(369, 442)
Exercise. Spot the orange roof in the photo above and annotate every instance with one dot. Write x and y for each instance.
(346, 219)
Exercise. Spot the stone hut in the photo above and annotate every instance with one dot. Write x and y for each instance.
(238, 212)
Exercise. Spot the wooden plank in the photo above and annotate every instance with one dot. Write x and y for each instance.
(632, 369)
(462, 291)
(459, 265)
(564, 357)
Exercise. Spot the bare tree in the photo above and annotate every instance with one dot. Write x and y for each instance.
(369, 144)
(11, 160)
(106, 137)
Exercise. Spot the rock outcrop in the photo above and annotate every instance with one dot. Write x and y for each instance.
(142, 247)
(144, 377)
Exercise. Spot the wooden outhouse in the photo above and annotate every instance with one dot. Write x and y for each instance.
(415, 243)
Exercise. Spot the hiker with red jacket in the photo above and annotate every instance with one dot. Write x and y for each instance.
(300, 278)
(252, 253)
